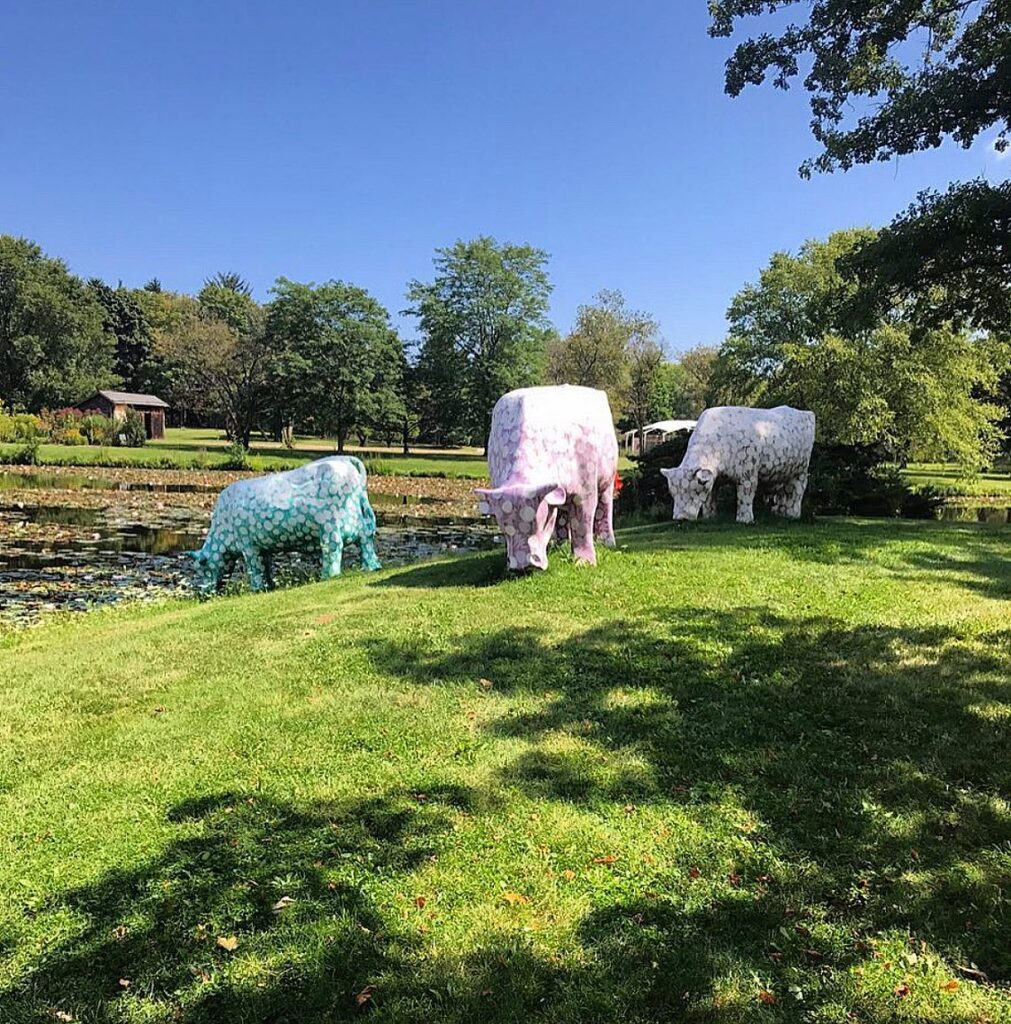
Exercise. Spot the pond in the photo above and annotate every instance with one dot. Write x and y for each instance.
(59, 555)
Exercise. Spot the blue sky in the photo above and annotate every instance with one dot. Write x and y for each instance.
(350, 139)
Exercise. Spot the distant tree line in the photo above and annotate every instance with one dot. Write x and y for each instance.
(320, 359)
(326, 360)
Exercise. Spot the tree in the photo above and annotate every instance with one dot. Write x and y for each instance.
(53, 350)
(595, 353)
(697, 364)
(645, 358)
(670, 393)
(484, 325)
(793, 340)
(218, 357)
(229, 281)
(340, 362)
(124, 320)
(891, 78)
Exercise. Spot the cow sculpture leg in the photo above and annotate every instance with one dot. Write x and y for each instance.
(746, 500)
(709, 505)
(367, 546)
(581, 530)
(788, 499)
(255, 569)
(332, 545)
(603, 520)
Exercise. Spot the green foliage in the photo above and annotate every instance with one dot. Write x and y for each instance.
(53, 349)
(26, 454)
(21, 426)
(338, 360)
(217, 355)
(859, 480)
(891, 78)
(484, 325)
(125, 322)
(945, 259)
(795, 339)
(697, 366)
(616, 349)
(98, 429)
(594, 353)
(237, 457)
(130, 432)
(914, 71)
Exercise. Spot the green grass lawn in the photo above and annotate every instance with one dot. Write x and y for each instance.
(729, 775)
(951, 479)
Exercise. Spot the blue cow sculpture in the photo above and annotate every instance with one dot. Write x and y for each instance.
(318, 507)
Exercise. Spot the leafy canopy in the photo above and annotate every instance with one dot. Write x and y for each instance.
(484, 325)
(794, 340)
(53, 349)
(339, 362)
(912, 72)
(892, 77)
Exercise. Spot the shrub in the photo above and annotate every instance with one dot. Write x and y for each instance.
(130, 432)
(56, 423)
(98, 429)
(69, 436)
(844, 480)
(644, 490)
(25, 455)
(237, 457)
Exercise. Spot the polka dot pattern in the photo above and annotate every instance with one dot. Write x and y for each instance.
(771, 447)
(552, 459)
(318, 507)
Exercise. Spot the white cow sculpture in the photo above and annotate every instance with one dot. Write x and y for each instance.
(771, 447)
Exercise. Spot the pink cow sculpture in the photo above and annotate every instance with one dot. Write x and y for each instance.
(553, 459)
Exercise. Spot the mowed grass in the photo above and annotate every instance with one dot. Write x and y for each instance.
(160, 455)
(952, 480)
(729, 775)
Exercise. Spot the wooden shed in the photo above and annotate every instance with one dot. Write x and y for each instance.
(114, 404)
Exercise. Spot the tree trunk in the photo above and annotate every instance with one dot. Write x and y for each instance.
(407, 438)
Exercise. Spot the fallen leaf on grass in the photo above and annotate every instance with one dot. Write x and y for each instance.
(420, 901)
(486, 684)
(124, 982)
(514, 898)
(63, 1015)
(901, 990)
(609, 859)
(950, 986)
(228, 942)
(694, 873)
(284, 901)
(568, 874)
(767, 997)
(363, 999)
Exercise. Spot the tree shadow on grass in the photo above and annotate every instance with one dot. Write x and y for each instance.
(259, 914)
(874, 759)
(484, 570)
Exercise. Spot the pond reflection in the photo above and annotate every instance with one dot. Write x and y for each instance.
(55, 557)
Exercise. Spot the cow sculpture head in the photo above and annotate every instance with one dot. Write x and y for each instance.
(526, 514)
(690, 488)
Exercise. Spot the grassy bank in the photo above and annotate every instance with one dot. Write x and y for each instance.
(952, 481)
(163, 456)
(730, 775)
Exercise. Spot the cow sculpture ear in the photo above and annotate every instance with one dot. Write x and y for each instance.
(668, 473)
(704, 476)
(553, 494)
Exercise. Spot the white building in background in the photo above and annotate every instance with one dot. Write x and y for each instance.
(653, 434)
